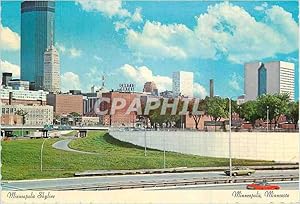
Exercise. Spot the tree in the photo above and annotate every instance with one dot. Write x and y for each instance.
(293, 113)
(156, 117)
(56, 119)
(74, 114)
(22, 113)
(278, 104)
(216, 108)
(201, 107)
(248, 111)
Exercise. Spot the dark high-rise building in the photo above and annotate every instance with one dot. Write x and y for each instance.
(37, 34)
(6, 77)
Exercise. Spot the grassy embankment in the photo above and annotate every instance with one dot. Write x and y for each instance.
(21, 158)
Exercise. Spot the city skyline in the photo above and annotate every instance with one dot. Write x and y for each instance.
(37, 34)
(269, 78)
(116, 42)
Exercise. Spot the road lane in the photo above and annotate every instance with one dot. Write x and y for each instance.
(285, 185)
(63, 145)
(111, 180)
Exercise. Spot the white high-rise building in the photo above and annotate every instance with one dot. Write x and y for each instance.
(183, 84)
(269, 78)
(51, 70)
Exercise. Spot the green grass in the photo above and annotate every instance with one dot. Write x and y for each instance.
(72, 133)
(21, 158)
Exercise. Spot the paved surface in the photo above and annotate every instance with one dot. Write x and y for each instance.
(63, 145)
(176, 170)
(286, 185)
(115, 180)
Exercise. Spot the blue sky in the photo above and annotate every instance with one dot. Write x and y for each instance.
(148, 40)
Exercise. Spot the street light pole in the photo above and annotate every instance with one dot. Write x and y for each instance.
(145, 138)
(230, 156)
(230, 160)
(267, 118)
(165, 150)
(42, 153)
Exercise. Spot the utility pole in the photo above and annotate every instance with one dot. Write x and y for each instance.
(267, 118)
(42, 154)
(230, 160)
(145, 141)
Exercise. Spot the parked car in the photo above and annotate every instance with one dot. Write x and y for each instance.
(263, 186)
(238, 171)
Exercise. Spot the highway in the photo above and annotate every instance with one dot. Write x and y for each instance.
(284, 185)
(88, 182)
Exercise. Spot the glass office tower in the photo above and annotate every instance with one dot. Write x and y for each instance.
(262, 80)
(37, 34)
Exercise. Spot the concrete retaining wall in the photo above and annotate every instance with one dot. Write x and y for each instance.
(245, 145)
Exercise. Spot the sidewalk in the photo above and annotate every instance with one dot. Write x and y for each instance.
(178, 170)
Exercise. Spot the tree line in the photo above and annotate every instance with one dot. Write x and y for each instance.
(217, 108)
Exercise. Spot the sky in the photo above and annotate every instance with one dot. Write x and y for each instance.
(139, 41)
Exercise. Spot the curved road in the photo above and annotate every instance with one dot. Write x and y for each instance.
(63, 145)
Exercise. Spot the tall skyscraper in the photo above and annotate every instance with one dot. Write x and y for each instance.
(269, 78)
(37, 34)
(51, 70)
(183, 84)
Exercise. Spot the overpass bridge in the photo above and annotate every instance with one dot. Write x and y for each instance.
(8, 129)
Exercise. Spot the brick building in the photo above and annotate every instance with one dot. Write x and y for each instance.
(64, 104)
(11, 119)
(119, 118)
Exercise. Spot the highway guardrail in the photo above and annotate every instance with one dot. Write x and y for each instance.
(177, 170)
(169, 183)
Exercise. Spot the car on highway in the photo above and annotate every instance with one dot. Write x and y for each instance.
(264, 185)
(239, 171)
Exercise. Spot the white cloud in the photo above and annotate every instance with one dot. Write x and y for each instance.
(199, 91)
(6, 66)
(109, 8)
(70, 81)
(235, 82)
(122, 25)
(113, 9)
(262, 7)
(71, 52)
(161, 40)
(94, 76)
(220, 32)
(140, 75)
(9, 40)
(285, 26)
(74, 52)
(137, 16)
(61, 48)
